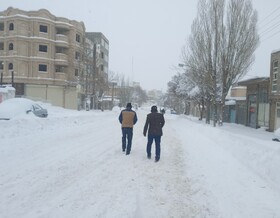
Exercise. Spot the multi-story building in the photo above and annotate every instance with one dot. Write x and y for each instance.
(100, 67)
(42, 56)
(274, 95)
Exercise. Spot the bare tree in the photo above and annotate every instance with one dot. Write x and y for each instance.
(221, 47)
(139, 96)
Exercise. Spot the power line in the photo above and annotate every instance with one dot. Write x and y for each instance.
(270, 15)
(271, 28)
(271, 25)
(271, 36)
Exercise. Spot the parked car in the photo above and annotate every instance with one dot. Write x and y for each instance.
(16, 107)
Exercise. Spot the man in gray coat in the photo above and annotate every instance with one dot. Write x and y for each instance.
(154, 123)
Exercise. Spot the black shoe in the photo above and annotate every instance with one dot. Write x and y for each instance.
(127, 153)
(157, 159)
(149, 156)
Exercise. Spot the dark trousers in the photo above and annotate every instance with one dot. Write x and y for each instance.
(127, 134)
(149, 145)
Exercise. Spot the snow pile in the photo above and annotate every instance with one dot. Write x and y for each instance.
(71, 164)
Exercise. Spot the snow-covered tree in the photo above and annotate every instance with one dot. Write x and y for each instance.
(221, 46)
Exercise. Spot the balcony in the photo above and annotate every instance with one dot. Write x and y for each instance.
(60, 76)
(61, 40)
(62, 25)
(61, 59)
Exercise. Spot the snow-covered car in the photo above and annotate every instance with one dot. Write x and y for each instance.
(16, 107)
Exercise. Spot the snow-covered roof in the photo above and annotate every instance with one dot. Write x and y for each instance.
(253, 80)
(230, 102)
(236, 98)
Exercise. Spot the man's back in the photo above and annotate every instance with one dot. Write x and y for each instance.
(128, 118)
(155, 121)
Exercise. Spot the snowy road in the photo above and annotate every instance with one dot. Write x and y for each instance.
(71, 165)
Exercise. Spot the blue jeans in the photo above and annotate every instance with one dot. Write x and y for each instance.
(149, 145)
(127, 134)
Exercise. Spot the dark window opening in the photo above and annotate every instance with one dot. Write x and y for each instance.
(11, 66)
(78, 38)
(77, 56)
(11, 26)
(59, 69)
(11, 46)
(1, 26)
(43, 28)
(1, 65)
(43, 67)
(43, 48)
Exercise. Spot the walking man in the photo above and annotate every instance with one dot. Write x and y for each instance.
(154, 123)
(127, 118)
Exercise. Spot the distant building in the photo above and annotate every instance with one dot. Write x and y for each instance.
(100, 67)
(274, 95)
(257, 104)
(235, 106)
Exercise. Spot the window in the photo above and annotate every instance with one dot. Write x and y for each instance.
(102, 55)
(101, 67)
(43, 48)
(11, 66)
(11, 26)
(76, 72)
(59, 69)
(1, 26)
(274, 86)
(1, 65)
(1, 45)
(275, 76)
(278, 112)
(43, 29)
(60, 50)
(43, 67)
(11, 46)
(78, 38)
(77, 56)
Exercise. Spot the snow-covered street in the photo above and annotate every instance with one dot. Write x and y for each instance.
(71, 165)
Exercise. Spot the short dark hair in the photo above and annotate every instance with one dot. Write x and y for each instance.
(154, 109)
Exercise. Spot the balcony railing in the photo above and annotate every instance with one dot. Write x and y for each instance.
(61, 38)
(61, 59)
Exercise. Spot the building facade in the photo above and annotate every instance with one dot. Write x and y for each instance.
(274, 95)
(100, 68)
(257, 103)
(42, 56)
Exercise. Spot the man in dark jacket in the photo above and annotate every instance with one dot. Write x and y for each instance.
(127, 118)
(154, 122)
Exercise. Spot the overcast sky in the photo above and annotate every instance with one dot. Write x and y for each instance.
(146, 36)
